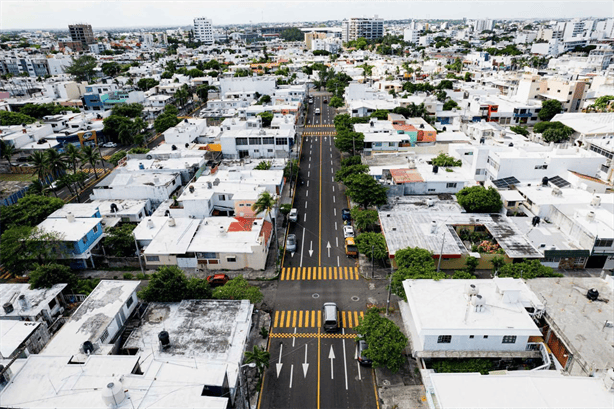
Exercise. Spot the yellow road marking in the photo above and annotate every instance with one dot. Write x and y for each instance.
(319, 273)
(350, 322)
(345, 271)
(343, 319)
(293, 272)
(293, 319)
(356, 318)
(276, 319)
(319, 318)
(313, 318)
(288, 319)
(303, 273)
(309, 273)
(300, 319)
(283, 314)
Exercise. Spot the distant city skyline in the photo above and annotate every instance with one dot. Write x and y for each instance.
(135, 13)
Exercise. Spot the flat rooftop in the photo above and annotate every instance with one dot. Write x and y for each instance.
(521, 389)
(38, 299)
(581, 321)
(69, 230)
(172, 239)
(13, 333)
(92, 317)
(205, 330)
(86, 210)
(443, 304)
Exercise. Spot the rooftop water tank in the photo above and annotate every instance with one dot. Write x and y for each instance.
(592, 294)
(165, 339)
(88, 347)
(113, 394)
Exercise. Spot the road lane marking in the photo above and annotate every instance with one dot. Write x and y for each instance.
(283, 314)
(358, 365)
(319, 273)
(276, 317)
(304, 272)
(305, 215)
(350, 320)
(307, 193)
(343, 321)
(305, 207)
(320, 229)
(313, 318)
(294, 319)
(345, 363)
(336, 241)
(307, 183)
(288, 319)
(345, 270)
(294, 338)
(335, 211)
(319, 342)
(303, 244)
(333, 199)
(291, 373)
(293, 272)
(335, 225)
(332, 179)
(300, 318)
(338, 263)
(333, 191)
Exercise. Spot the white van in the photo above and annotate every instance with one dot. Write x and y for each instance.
(317, 111)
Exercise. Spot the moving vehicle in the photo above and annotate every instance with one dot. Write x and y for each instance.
(293, 216)
(311, 100)
(346, 215)
(330, 315)
(348, 231)
(350, 247)
(217, 280)
(325, 100)
(109, 145)
(291, 243)
(362, 346)
(317, 111)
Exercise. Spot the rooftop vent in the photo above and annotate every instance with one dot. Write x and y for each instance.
(433, 227)
(545, 181)
(592, 294)
(150, 223)
(8, 308)
(557, 192)
(471, 290)
(590, 216)
(165, 339)
(596, 201)
(171, 222)
(70, 217)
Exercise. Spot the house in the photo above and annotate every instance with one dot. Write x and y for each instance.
(137, 185)
(21, 303)
(186, 132)
(93, 327)
(490, 318)
(78, 236)
(21, 338)
(125, 210)
(249, 139)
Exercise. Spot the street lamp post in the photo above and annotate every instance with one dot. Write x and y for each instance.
(372, 262)
(244, 393)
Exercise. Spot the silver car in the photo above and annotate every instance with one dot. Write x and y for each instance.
(291, 243)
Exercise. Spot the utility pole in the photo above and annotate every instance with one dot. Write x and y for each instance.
(372, 262)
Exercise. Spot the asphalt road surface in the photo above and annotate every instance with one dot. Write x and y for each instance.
(310, 368)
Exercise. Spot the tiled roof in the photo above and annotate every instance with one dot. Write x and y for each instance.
(406, 128)
(406, 175)
(241, 224)
(267, 229)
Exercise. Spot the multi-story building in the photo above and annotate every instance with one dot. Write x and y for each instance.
(571, 93)
(411, 35)
(481, 25)
(203, 31)
(365, 27)
(82, 33)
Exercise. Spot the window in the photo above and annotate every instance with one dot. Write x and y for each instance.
(84, 239)
(241, 205)
(444, 339)
(52, 304)
(255, 141)
(485, 336)
(207, 255)
(104, 336)
(604, 242)
(96, 229)
(232, 259)
(541, 166)
(129, 302)
(431, 190)
(281, 141)
(241, 141)
(450, 185)
(268, 141)
(509, 339)
(511, 203)
(152, 258)
(471, 336)
(221, 197)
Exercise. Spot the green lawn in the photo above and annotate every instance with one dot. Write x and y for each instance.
(16, 177)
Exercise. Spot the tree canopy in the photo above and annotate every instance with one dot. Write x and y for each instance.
(48, 275)
(30, 210)
(119, 241)
(372, 245)
(146, 84)
(40, 110)
(550, 108)
(553, 131)
(167, 119)
(527, 269)
(82, 67)
(292, 34)
(477, 199)
(24, 245)
(385, 340)
(128, 110)
(413, 263)
(364, 219)
(14, 118)
(169, 284)
(238, 289)
(365, 190)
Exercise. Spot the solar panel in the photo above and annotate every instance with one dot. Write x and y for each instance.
(505, 183)
(559, 182)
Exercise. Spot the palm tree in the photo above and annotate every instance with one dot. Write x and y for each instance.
(73, 156)
(38, 188)
(7, 153)
(260, 357)
(91, 156)
(55, 162)
(41, 168)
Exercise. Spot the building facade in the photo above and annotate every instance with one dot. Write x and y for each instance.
(203, 31)
(82, 33)
(369, 28)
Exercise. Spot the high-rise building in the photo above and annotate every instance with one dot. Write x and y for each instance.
(82, 33)
(481, 25)
(203, 30)
(365, 27)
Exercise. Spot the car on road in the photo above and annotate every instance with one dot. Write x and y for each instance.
(325, 100)
(346, 215)
(311, 100)
(317, 111)
(348, 231)
(54, 185)
(217, 280)
(350, 247)
(23, 159)
(109, 145)
(293, 216)
(291, 243)
(26, 165)
(330, 314)
(362, 346)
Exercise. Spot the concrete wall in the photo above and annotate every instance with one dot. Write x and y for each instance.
(478, 343)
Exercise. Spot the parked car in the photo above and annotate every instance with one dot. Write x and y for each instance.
(109, 145)
(350, 247)
(348, 231)
(291, 243)
(54, 185)
(330, 314)
(311, 100)
(293, 216)
(26, 165)
(217, 280)
(317, 112)
(325, 100)
(346, 215)
(362, 346)
(23, 159)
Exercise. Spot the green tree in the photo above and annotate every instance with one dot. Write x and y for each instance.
(351, 170)
(169, 284)
(91, 156)
(380, 114)
(349, 141)
(48, 275)
(463, 275)
(113, 124)
(82, 67)
(265, 99)
(267, 117)
(497, 262)
(72, 155)
(364, 219)
(14, 118)
(111, 69)
(471, 263)
(467, 77)
(449, 105)
(41, 167)
(260, 357)
(119, 241)
(372, 245)
(30, 210)
(24, 245)
(133, 110)
(292, 34)
(365, 190)
(195, 73)
(477, 199)
(602, 103)
(336, 102)
(146, 84)
(55, 162)
(116, 157)
(238, 289)
(520, 130)
(445, 160)
(527, 269)
(263, 165)
(385, 340)
(167, 119)
(550, 108)
(40, 110)
(555, 135)
(414, 257)
(413, 263)
(7, 153)
(37, 188)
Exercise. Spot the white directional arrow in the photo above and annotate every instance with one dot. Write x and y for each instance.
(310, 248)
(305, 365)
(279, 364)
(331, 356)
(328, 247)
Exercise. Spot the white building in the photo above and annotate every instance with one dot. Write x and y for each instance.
(481, 25)
(122, 184)
(23, 304)
(470, 318)
(186, 132)
(369, 28)
(203, 30)
(411, 35)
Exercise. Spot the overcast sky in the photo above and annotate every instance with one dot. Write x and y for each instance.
(136, 13)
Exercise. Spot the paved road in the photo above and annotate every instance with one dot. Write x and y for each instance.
(310, 368)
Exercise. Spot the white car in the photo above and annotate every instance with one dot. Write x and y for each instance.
(317, 111)
(348, 231)
(109, 145)
(311, 100)
(293, 216)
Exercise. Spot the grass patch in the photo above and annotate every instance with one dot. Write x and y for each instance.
(17, 177)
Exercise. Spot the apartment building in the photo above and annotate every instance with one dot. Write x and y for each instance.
(82, 33)
(203, 31)
(571, 93)
(369, 28)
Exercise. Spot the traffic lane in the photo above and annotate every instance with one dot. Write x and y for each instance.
(306, 201)
(343, 383)
(303, 295)
(292, 374)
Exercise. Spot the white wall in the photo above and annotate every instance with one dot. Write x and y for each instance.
(478, 343)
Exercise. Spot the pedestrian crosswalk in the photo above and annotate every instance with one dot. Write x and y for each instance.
(319, 273)
(320, 133)
(4, 274)
(313, 319)
(91, 170)
(320, 126)
(106, 157)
